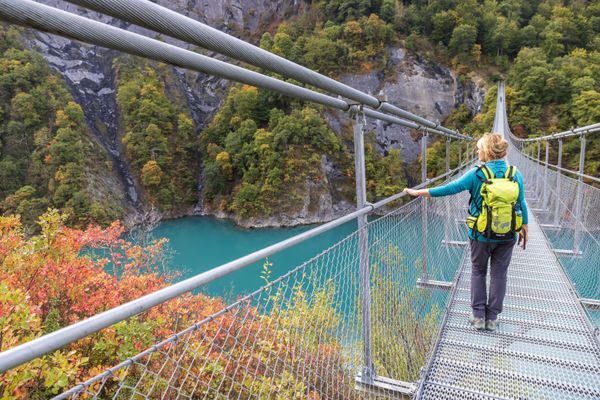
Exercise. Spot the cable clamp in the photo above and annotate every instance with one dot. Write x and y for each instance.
(382, 98)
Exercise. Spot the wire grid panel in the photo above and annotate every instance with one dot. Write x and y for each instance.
(300, 336)
(295, 336)
(405, 317)
(567, 210)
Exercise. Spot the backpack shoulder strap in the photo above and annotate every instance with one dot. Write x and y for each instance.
(510, 173)
(487, 173)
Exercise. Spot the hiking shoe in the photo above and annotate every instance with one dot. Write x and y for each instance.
(491, 325)
(478, 323)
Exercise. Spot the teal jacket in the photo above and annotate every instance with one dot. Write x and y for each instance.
(472, 183)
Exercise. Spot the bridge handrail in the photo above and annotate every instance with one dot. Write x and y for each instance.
(53, 341)
(49, 19)
(593, 128)
(561, 169)
(171, 23)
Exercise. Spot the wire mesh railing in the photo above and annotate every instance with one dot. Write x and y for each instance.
(299, 336)
(567, 210)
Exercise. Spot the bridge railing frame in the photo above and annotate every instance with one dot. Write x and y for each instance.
(528, 147)
(31, 14)
(541, 184)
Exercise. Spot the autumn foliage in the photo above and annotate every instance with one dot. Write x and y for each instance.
(64, 275)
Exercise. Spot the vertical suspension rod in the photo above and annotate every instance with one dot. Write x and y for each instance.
(558, 176)
(424, 274)
(537, 178)
(368, 372)
(447, 154)
(467, 155)
(446, 219)
(545, 190)
(579, 197)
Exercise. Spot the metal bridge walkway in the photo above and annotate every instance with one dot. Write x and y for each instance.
(544, 348)
(351, 316)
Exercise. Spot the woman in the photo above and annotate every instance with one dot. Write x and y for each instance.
(491, 149)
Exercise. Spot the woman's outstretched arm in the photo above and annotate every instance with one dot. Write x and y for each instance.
(463, 183)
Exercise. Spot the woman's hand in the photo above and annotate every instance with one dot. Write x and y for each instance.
(420, 192)
(523, 235)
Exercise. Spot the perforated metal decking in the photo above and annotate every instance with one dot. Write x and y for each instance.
(545, 346)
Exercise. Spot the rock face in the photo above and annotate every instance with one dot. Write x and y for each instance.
(428, 90)
(89, 73)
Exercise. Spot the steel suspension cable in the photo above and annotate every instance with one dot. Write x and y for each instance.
(164, 20)
(593, 128)
(45, 18)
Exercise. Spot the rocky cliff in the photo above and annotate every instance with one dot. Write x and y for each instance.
(426, 89)
(88, 70)
(423, 88)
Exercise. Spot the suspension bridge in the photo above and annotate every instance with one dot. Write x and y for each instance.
(382, 313)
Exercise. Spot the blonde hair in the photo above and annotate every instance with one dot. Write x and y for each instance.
(493, 146)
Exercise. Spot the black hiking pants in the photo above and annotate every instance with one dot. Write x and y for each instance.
(498, 255)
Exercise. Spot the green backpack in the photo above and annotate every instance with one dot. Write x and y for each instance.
(499, 218)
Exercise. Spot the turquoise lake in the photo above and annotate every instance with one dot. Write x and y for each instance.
(199, 244)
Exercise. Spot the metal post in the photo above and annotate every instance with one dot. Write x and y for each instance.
(578, 199)
(537, 178)
(447, 216)
(459, 153)
(424, 275)
(447, 154)
(545, 191)
(467, 159)
(368, 372)
(557, 196)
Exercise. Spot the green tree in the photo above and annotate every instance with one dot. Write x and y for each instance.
(266, 41)
(586, 108)
(553, 44)
(388, 10)
(283, 45)
(324, 55)
(247, 200)
(151, 174)
(377, 33)
(444, 24)
(345, 10)
(463, 39)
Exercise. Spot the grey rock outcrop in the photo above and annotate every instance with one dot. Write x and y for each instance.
(426, 89)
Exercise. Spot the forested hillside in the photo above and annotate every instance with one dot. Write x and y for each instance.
(159, 137)
(47, 158)
(548, 52)
(264, 155)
